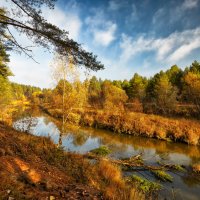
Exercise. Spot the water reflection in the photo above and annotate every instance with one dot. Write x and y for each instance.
(80, 139)
(26, 124)
(191, 180)
(83, 140)
(60, 139)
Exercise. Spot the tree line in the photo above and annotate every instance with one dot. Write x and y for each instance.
(171, 92)
(163, 93)
(174, 92)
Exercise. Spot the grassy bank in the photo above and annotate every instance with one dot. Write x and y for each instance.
(181, 130)
(33, 167)
(140, 124)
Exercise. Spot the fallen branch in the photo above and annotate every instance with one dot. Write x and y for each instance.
(134, 163)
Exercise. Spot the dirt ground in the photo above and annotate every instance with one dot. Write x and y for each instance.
(27, 173)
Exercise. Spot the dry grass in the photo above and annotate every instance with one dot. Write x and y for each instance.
(148, 125)
(110, 173)
(181, 130)
(32, 166)
(112, 183)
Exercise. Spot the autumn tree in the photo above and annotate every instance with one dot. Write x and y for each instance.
(5, 91)
(94, 92)
(137, 86)
(47, 95)
(175, 74)
(161, 95)
(195, 67)
(165, 95)
(117, 83)
(191, 82)
(113, 97)
(17, 91)
(70, 93)
(125, 86)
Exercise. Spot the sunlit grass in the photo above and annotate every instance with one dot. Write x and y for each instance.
(101, 151)
(145, 185)
(162, 175)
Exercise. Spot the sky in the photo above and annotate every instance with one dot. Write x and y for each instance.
(128, 36)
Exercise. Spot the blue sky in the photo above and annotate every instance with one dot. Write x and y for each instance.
(128, 36)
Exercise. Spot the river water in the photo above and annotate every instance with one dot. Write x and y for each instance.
(81, 140)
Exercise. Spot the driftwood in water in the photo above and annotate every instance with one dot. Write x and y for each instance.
(134, 163)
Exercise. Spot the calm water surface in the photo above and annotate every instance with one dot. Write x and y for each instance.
(82, 140)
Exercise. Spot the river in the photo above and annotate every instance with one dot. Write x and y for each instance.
(82, 140)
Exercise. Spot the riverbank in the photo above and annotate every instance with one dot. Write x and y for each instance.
(177, 130)
(138, 124)
(133, 155)
(33, 167)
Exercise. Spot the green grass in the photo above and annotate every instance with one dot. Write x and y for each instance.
(179, 168)
(101, 151)
(162, 175)
(145, 185)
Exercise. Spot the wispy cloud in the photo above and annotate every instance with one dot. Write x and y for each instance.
(134, 13)
(103, 30)
(114, 5)
(159, 14)
(172, 14)
(184, 50)
(169, 49)
(189, 4)
(106, 36)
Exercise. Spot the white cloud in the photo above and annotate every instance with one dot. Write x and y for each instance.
(103, 30)
(105, 37)
(170, 49)
(69, 21)
(189, 4)
(184, 50)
